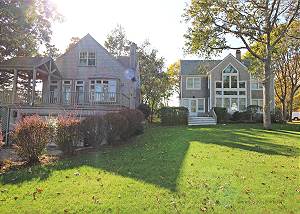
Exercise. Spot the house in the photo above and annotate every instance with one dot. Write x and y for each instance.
(218, 83)
(85, 80)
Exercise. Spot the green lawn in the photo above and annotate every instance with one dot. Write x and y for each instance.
(219, 169)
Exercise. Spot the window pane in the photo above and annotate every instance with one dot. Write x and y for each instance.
(92, 55)
(230, 92)
(218, 92)
(197, 83)
(230, 69)
(226, 82)
(255, 102)
(227, 103)
(254, 86)
(82, 61)
(233, 81)
(218, 84)
(242, 85)
(260, 103)
(242, 103)
(189, 83)
(83, 55)
(242, 93)
(91, 62)
(200, 104)
(219, 102)
(185, 103)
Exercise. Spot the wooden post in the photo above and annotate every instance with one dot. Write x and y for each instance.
(33, 86)
(15, 85)
(49, 83)
(28, 88)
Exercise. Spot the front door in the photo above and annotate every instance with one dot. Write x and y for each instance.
(193, 107)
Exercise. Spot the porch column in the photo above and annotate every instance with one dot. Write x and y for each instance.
(28, 89)
(33, 85)
(15, 82)
(49, 83)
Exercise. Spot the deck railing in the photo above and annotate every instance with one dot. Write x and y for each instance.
(66, 98)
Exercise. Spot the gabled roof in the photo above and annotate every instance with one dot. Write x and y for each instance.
(194, 67)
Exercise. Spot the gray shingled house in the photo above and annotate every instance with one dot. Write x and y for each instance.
(83, 81)
(217, 83)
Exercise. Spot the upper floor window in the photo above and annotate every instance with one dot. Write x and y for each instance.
(87, 58)
(256, 85)
(193, 83)
(230, 70)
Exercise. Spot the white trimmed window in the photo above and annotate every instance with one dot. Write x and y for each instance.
(87, 58)
(193, 83)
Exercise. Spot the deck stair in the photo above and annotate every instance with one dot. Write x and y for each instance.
(198, 121)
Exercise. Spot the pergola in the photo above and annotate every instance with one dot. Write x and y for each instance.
(29, 70)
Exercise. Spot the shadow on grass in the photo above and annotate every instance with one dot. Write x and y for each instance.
(157, 155)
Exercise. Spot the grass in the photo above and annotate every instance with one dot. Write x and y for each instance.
(219, 169)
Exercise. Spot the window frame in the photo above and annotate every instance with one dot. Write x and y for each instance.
(87, 58)
(193, 80)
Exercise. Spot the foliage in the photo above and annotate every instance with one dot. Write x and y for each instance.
(25, 25)
(198, 161)
(173, 73)
(135, 125)
(276, 116)
(67, 134)
(117, 126)
(51, 51)
(93, 130)
(286, 66)
(145, 109)
(222, 114)
(172, 116)
(74, 40)
(31, 136)
(117, 43)
(211, 23)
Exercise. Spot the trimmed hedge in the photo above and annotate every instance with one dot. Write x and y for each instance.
(222, 114)
(172, 116)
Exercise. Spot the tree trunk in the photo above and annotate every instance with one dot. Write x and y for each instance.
(291, 106)
(267, 91)
(284, 116)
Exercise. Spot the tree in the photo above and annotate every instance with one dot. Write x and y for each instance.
(25, 26)
(73, 42)
(51, 51)
(213, 22)
(174, 76)
(286, 66)
(117, 43)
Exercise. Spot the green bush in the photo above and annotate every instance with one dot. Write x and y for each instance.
(93, 130)
(117, 126)
(172, 116)
(241, 116)
(135, 120)
(31, 136)
(276, 116)
(222, 114)
(145, 109)
(67, 134)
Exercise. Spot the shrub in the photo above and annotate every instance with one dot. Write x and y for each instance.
(222, 114)
(93, 130)
(117, 126)
(276, 116)
(67, 134)
(1, 136)
(241, 116)
(174, 116)
(145, 109)
(31, 136)
(135, 120)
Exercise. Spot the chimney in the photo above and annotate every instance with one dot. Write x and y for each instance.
(238, 55)
(133, 57)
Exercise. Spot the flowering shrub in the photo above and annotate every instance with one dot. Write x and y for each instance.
(31, 136)
(135, 119)
(93, 130)
(117, 125)
(67, 134)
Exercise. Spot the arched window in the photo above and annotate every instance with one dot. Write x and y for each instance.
(230, 70)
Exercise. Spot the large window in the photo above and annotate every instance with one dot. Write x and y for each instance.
(257, 102)
(103, 90)
(87, 58)
(193, 83)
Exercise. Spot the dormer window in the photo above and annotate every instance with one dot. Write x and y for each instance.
(87, 58)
